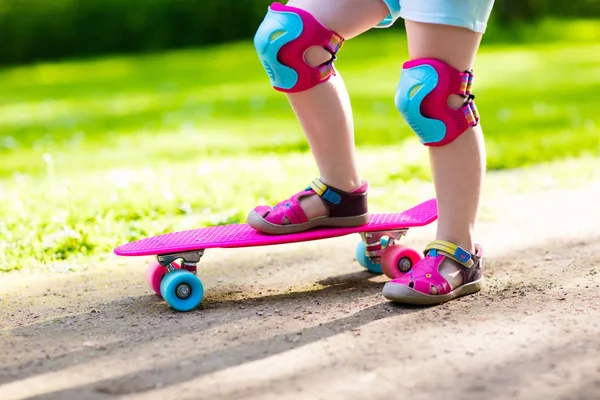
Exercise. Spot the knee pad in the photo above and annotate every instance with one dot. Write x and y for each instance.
(281, 41)
(422, 99)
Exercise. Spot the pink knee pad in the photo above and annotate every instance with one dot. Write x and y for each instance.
(422, 98)
(281, 41)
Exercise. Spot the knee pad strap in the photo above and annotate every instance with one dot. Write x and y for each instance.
(422, 98)
(281, 41)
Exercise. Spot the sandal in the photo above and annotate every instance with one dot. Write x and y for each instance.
(344, 209)
(416, 285)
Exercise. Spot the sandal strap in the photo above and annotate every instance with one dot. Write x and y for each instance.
(450, 250)
(339, 203)
(325, 192)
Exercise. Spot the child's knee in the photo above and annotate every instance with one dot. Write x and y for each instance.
(295, 49)
(427, 99)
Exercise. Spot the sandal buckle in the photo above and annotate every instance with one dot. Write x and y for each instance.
(462, 254)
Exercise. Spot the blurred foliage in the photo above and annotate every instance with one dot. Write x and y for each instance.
(52, 29)
(507, 12)
(34, 30)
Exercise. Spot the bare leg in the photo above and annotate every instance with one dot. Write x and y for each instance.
(324, 111)
(459, 167)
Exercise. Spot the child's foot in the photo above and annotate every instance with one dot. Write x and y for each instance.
(317, 205)
(446, 272)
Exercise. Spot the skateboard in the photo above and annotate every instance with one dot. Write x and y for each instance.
(172, 273)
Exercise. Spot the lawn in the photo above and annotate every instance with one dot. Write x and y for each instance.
(94, 153)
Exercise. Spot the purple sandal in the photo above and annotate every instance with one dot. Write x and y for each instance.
(344, 209)
(415, 286)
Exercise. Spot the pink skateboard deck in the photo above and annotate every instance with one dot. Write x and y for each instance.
(242, 235)
(172, 275)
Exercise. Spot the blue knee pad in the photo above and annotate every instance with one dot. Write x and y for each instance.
(281, 41)
(422, 99)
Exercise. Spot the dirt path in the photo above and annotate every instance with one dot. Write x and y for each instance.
(286, 323)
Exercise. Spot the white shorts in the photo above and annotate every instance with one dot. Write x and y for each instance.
(470, 14)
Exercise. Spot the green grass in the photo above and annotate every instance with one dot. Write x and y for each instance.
(58, 222)
(538, 102)
(96, 153)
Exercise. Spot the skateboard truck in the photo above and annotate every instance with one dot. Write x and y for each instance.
(373, 244)
(190, 260)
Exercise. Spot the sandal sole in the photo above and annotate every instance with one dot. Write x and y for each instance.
(260, 224)
(404, 294)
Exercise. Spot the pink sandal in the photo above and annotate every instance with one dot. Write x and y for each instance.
(415, 286)
(344, 209)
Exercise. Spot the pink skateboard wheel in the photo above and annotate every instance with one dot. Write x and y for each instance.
(397, 260)
(155, 274)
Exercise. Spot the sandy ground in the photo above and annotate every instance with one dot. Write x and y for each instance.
(306, 322)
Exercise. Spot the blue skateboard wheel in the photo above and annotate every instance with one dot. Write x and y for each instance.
(182, 290)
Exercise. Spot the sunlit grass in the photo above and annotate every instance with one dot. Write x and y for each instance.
(96, 153)
(57, 221)
(538, 102)
(55, 216)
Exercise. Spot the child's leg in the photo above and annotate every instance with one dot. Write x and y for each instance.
(324, 112)
(458, 168)
(452, 266)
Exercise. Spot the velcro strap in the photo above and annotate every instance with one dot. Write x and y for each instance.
(452, 251)
(335, 43)
(318, 187)
(325, 192)
(467, 83)
(471, 113)
(326, 70)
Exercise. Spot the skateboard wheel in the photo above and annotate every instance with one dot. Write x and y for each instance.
(397, 260)
(182, 290)
(155, 274)
(365, 261)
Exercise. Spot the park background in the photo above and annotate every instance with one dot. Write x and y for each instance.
(120, 120)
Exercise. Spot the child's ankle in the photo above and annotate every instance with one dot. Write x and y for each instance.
(463, 241)
(351, 185)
